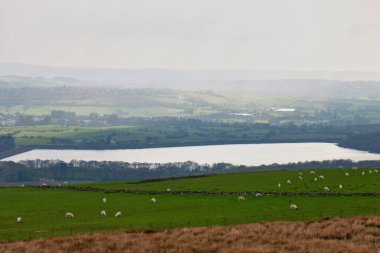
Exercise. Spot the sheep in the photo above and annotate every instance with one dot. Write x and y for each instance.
(347, 174)
(104, 200)
(168, 190)
(279, 185)
(103, 213)
(370, 171)
(19, 220)
(300, 174)
(21, 185)
(315, 179)
(118, 214)
(300, 178)
(241, 198)
(293, 206)
(69, 215)
(363, 173)
(326, 189)
(321, 177)
(312, 172)
(375, 171)
(258, 194)
(153, 200)
(289, 182)
(340, 186)
(354, 168)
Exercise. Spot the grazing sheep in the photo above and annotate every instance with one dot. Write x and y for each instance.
(347, 174)
(168, 190)
(370, 171)
(258, 194)
(103, 213)
(153, 200)
(354, 168)
(69, 215)
(321, 177)
(300, 178)
(65, 183)
(19, 220)
(312, 172)
(118, 214)
(21, 185)
(363, 173)
(289, 182)
(315, 179)
(44, 184)
(326, 189)
(241, 198)
(300, 174)
(376, 171)
(104, 200)
(293, 206)
(340, 186)
(279, 185)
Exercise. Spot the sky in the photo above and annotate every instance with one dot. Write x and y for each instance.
(327, 35)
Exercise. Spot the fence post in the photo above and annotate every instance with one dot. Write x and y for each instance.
(150, 225)
(170, 224)
(246, 219)
(189, 223)
(30, 234)
(9, 236)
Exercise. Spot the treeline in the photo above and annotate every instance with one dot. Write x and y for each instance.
(58, 171)
(6, 142)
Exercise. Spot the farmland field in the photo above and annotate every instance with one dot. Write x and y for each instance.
(43, 208)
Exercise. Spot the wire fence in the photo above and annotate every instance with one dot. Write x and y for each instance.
(152, 226)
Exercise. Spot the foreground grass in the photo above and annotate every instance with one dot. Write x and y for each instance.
(43, 210)
(339, 235)
(266, 181)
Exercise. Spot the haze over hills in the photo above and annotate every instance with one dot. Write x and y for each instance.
(304, 84)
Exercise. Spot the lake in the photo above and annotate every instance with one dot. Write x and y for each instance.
(239, 154)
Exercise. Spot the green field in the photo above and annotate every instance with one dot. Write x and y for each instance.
(265, 181)
(43, 209)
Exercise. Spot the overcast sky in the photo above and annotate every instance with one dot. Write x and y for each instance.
(193, 34)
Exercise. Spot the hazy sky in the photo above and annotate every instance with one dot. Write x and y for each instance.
(193, 34)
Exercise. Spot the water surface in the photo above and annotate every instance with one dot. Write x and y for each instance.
(239, 154)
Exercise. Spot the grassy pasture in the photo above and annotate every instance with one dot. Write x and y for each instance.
(265, 181)
(43, 209)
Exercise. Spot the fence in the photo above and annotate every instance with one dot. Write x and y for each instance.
(151, 226)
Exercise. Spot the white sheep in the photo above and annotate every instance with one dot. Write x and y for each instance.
(65, 183)
(19, 220)
(241, 198)
(168, 190)
(104, 200)
(300, 174)
(375, 171)
(153, 200)
(315, 179)
(258, 194)
(363, 173)
(340, 186)
(354, 168)
(118, 214)
(279, 185)
(370, 171)
(321, 177)
(347, 174)
(293, 206)
(103, 213)
(326, 189)
(69, 215)
(300, 178)
(312, 172)
(289, 182)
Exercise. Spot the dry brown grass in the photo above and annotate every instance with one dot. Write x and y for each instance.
(361, 234)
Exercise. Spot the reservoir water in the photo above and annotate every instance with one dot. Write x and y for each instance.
(239, 154)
